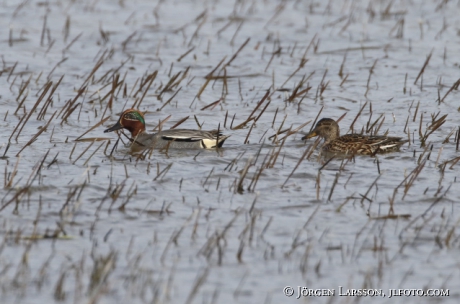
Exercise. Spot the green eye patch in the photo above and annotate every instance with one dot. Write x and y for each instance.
(136, 116)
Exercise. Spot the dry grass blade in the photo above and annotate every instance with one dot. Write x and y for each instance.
(296, 93)
(295, 130)
(391, 217)
(163, 172)
(9, 182)
(243, 173)
(313, 147)
(185, 54)
(336, 179)
(92, 154)
(279, 9)
(169, 85)
(64, 113)
(208, 78)
(356, 118)
(454, 161)
(316, 118)
(256, 177)
(237, 52)
(277, 52)
(301, 65)
(170, 99)
(250, 117)
(210, 74)
(42, 112)
(93, 71)
(326, 163)
(296, 166)
(263, 111)
(151, 78)
(43, 129)
(92, 128)
(246, 141)
(370, 127)
(102, 268)
(26, 189)
(71, 43)
(199, 281)
(23, 87)
(374, 183)
(275, 137)
(161, 123)
(458, 139)
(427, 60)
(453, 87)
(434, 125)
(412, 177)
(12, 133)
(273, 158)
(179, 122)
(45, 90)
(212, 104)
(84, 151)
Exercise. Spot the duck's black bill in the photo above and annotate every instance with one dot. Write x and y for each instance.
(115, 127)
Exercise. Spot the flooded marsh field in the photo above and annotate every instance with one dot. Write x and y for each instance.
(86, 220)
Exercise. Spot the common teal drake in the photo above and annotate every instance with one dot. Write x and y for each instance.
(133, 121)
(328, 129)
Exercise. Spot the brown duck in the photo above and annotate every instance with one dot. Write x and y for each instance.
(328, 129)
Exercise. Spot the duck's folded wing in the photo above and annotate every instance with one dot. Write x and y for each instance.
(186, 135)
(382, 139)
(371, 142)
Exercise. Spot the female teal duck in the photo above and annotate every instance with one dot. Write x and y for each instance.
(328, 129)
(133, 121)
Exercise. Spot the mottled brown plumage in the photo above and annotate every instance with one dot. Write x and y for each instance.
(328, 129)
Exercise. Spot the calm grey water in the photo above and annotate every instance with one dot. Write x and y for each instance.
(187, 235)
